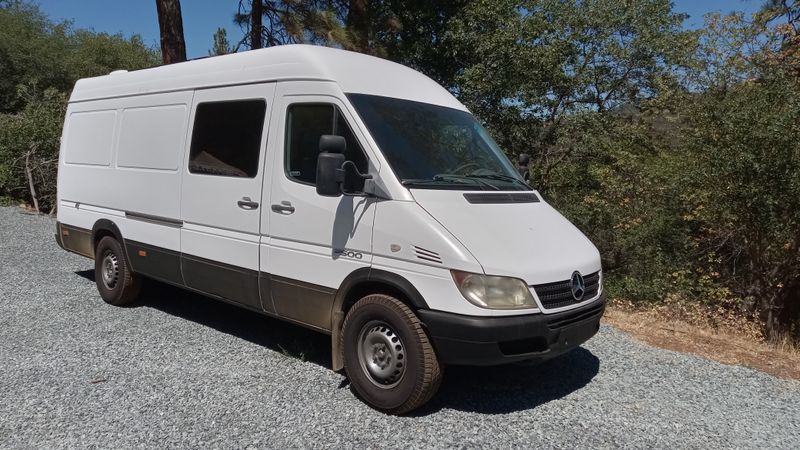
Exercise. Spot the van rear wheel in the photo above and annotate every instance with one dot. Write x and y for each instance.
(387, 355)
(117, 284)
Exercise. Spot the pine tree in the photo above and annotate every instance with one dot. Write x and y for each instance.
(170, 24)
(221, 44)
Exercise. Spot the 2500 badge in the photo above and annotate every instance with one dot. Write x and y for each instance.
(348, 254)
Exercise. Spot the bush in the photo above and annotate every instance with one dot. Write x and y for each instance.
(29, 142)
(39, 63)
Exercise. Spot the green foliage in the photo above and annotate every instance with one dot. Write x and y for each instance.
(37, 52)
(221, 44)
(620, 193)
(694, 193)
(407, 31)
(29, 143)
(529, 67)
(741, 167)
(39, 63)
(675, 151)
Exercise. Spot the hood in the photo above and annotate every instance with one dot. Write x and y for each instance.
(511, 235)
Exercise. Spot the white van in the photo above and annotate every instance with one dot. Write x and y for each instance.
(339, 191)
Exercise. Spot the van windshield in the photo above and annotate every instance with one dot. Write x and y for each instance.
(434, 147)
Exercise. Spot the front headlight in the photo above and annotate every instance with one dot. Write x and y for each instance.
(493, 292)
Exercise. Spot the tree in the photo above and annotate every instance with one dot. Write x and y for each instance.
(29, 143)
(256, 23)
(527, 66)
(740, 162)
(221, 44)
(418, 37)
(40, 61)
(170, 24)
(788, 54)
(39, 54)
(788, 9)
(742, 165)
(408, 31)
(279, 16)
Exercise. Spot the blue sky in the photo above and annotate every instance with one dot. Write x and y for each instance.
(202, 17)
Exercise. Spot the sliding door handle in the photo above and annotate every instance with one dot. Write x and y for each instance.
(283, 207)
(246, 203)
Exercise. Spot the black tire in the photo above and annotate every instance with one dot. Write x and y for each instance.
(378, 318)
(118, 285)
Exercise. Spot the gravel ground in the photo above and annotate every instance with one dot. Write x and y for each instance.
(183, 371)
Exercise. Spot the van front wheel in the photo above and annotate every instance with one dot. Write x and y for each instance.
(388, 356)
(117, 284)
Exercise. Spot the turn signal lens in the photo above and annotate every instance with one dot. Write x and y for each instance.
(493, 292)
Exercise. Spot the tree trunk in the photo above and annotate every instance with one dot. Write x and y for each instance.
(791, 312)
(29, 176)
(358, 24)
(170, 23)
(256, 24)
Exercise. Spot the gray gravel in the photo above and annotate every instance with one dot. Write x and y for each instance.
(183, 371)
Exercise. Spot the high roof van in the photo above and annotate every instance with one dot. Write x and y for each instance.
(338, 191)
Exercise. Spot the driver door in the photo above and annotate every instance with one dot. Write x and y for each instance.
(315, 241)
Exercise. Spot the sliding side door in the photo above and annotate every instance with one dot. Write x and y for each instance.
(221, 192)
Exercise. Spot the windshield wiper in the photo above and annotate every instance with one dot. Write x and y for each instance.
(499, 176)
(426, 181)
(446, 178)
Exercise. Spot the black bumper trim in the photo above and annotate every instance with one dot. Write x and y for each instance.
(487, 341)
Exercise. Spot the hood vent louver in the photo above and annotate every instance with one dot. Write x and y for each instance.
(427, 255)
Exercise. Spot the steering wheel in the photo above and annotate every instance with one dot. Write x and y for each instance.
(464, 167)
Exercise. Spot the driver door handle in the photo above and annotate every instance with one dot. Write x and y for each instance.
(246, 203)
(283, 207)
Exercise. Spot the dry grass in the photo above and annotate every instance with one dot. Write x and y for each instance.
(712, 334)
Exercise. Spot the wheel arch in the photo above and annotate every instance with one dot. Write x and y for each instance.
(105, 227)
(359, 283)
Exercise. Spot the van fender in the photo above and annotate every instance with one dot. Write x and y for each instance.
(367, 278)
(105, 226)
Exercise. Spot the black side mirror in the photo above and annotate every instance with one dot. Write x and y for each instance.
(329, 164)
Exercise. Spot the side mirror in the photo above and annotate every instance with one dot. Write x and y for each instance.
(329, 165)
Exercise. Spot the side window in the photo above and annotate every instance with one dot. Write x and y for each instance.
(226, 138)
(305, 123)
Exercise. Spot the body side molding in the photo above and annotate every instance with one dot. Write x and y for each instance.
(158, 220)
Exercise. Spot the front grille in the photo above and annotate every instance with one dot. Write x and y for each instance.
(559, 294)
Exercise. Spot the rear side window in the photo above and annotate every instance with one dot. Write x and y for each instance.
(226, 140)
(305, 123)
(90, 136)
(152, 137)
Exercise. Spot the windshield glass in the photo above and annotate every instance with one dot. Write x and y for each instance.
(433, 147)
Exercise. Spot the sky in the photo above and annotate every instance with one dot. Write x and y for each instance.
(202, 17)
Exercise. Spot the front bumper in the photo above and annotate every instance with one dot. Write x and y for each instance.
(488, 341)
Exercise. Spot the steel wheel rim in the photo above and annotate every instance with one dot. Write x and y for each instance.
(381, 354)
(109, 270)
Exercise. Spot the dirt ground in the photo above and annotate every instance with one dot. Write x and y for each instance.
(723, 345)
